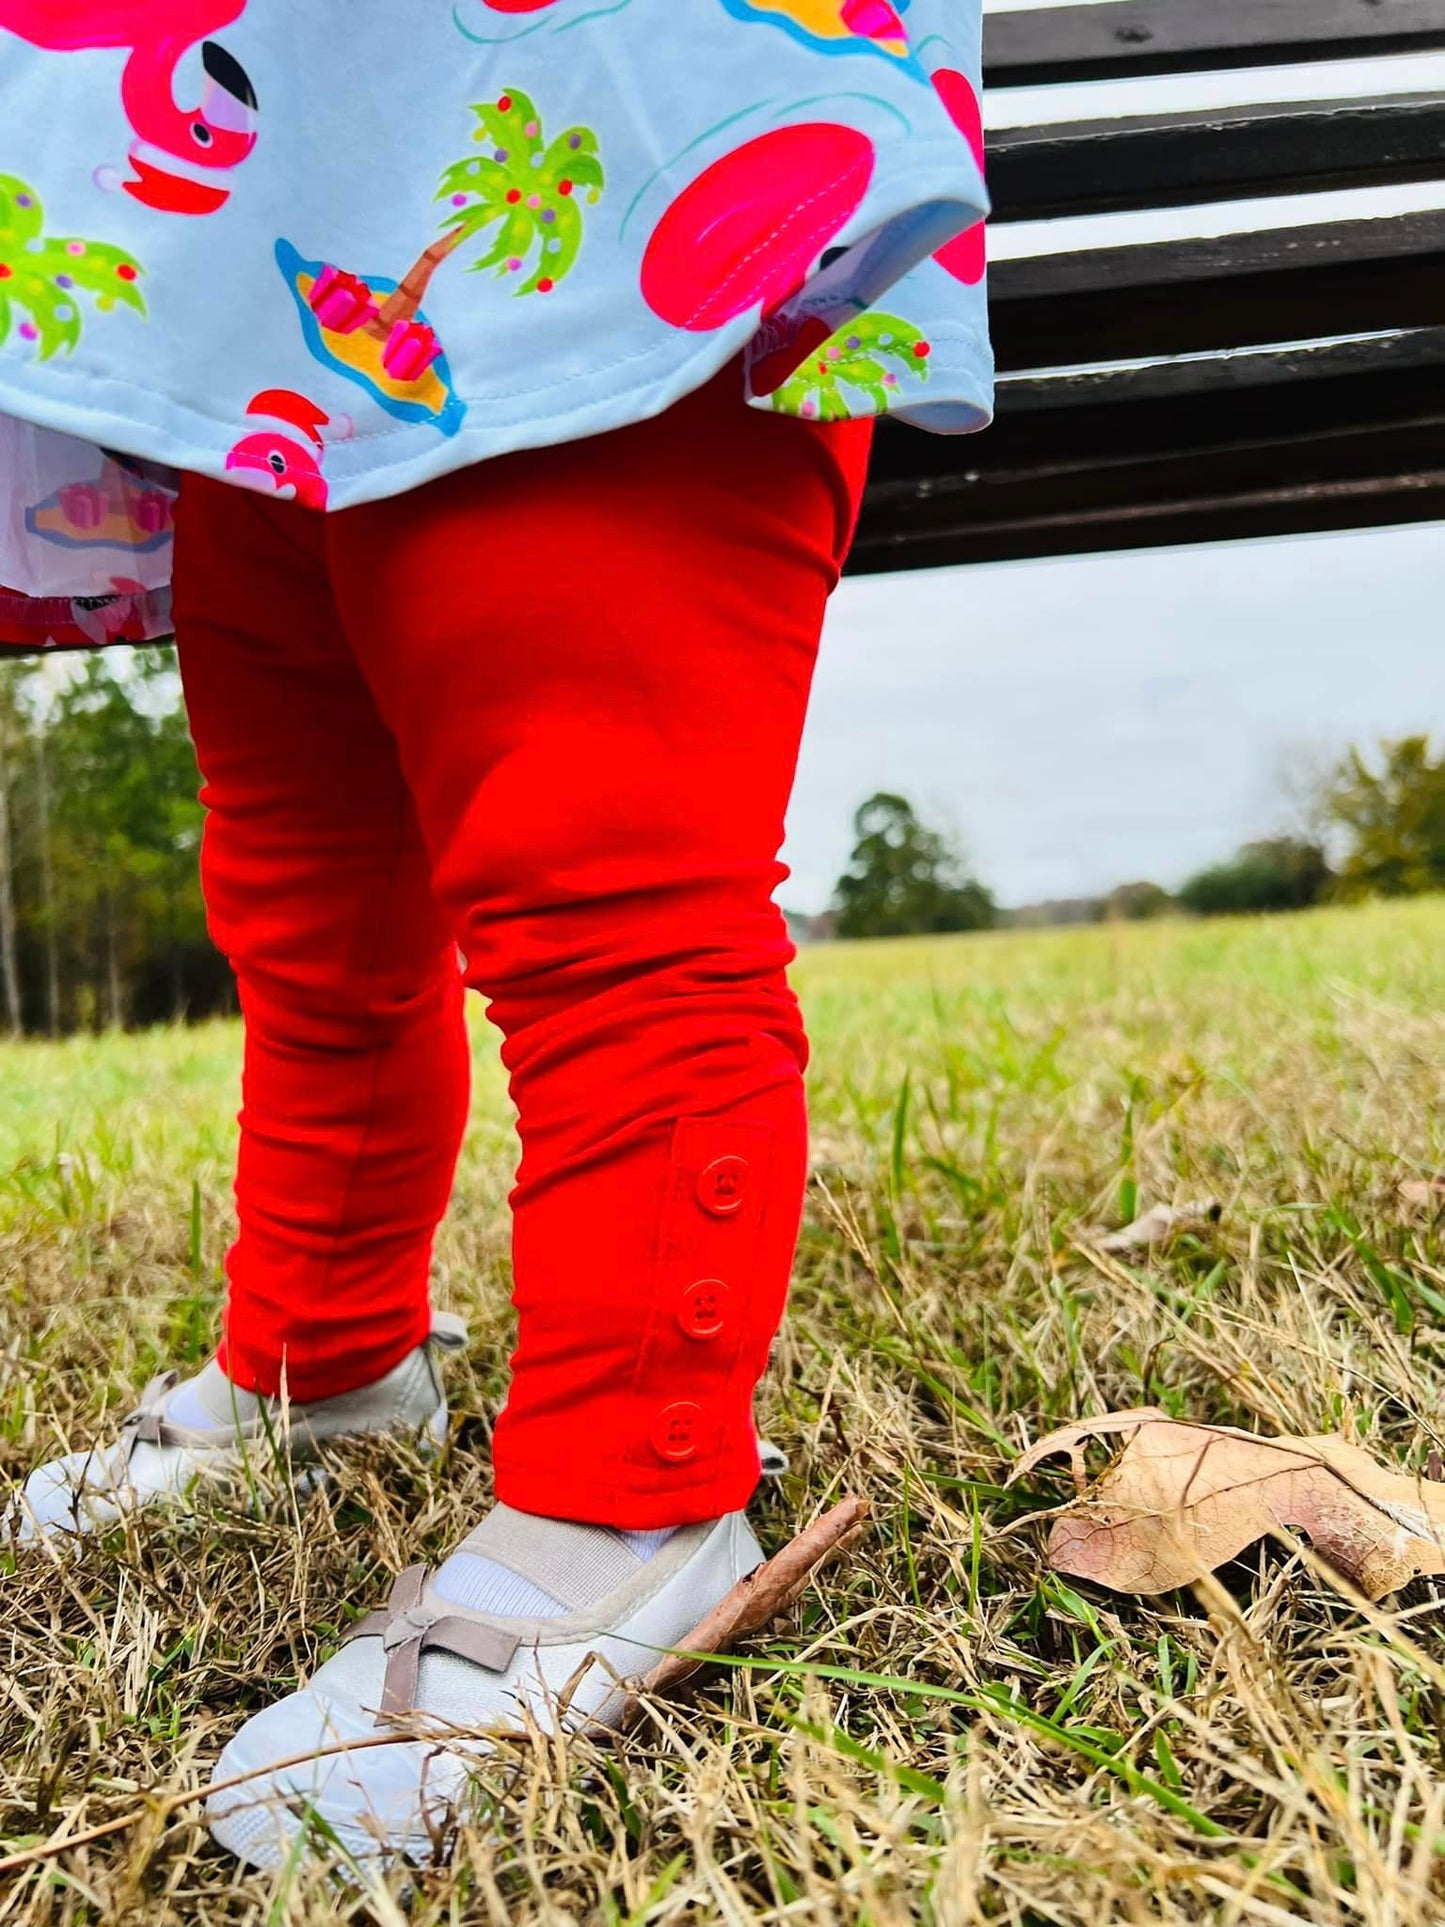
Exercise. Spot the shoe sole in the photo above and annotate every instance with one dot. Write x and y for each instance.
(262, 1836)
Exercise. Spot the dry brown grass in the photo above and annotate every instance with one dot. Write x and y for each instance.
(944, 1733)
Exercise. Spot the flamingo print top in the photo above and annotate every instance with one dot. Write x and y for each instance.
(333, 251)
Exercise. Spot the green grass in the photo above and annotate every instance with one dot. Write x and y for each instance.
(943, 1732)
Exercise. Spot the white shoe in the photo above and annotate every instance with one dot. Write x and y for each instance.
(158, 1456)
(442, 1677)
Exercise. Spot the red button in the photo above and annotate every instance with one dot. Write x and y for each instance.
(672, 1435)
(701, 1308)
(720, 1186)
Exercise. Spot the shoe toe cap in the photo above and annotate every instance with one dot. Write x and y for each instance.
(311, 1760)
(70, 1494)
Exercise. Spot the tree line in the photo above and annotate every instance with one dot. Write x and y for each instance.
(102, 924)
(1376, 827)
(101, 921)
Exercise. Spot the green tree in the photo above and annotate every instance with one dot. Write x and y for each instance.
(126, 821)
(42, 276)
(1277, 873)
(10, 737)
(1394, 818)
(1137, 902)
(905, 879)
(101, 781)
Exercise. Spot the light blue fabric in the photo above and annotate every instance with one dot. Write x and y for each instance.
(206, 207)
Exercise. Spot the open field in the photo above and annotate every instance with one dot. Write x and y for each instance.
(944, 1733)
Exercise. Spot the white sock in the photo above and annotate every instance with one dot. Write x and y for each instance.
(647, 1544)
(485, 1587)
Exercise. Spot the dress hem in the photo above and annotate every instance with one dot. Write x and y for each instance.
(942, 176)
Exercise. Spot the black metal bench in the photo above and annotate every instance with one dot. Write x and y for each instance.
(1261, 383)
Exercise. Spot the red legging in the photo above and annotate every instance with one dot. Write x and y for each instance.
(546, 711)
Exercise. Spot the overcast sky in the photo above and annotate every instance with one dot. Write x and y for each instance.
(1092, 720)
(1096, 719)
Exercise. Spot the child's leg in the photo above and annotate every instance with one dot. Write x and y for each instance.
(595, 660)
(356, 1068)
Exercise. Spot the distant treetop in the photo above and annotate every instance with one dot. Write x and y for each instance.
(904, 879)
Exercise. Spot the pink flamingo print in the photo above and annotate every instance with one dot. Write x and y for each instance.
(275, 462)
(177, 150)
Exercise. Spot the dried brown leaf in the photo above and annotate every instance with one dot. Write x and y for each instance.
(1182, 1500)
(1427, 1194)
(1158, 1223)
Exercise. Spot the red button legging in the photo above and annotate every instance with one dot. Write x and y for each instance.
(545, 711)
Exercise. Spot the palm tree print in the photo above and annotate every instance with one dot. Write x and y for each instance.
(532, 187)
(372, 329)
(856, 357)
(43, 276)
